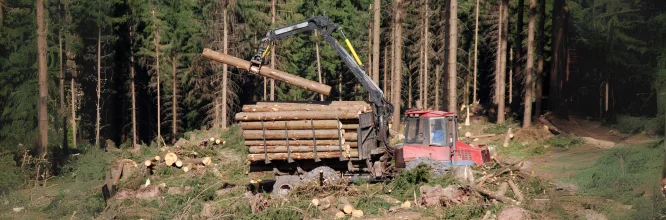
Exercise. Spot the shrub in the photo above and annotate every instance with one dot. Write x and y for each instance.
(632, 125)
(565, 141)
(10, 175)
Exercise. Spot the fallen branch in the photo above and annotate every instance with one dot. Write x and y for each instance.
(516, 191)
(495, 196)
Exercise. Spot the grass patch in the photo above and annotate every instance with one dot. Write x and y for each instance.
(371, 204)
(501, 128)
(632, 125)
(565, 141)
(622, 173)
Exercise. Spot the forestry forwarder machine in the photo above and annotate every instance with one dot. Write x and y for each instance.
(430, 136)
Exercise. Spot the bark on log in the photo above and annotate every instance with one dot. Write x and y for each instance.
(283, 149)
(292, 134)
(305, 107)
(301, 156)
(294, 142)
(549, 126)
(268, 72)
(292, 125)
(351, 144)
(350, 136)
(199, 161)
(315, 103)
(507, 138)
(296, 115)
(352, 127)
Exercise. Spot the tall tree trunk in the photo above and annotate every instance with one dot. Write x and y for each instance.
(321, 96)
(386, 89)
(62, 96)
(529, 84)
(397, 64)
(539, 50)
(376, 41)
(133, 90)
(553, 96)
(70, 63)
(498, 54)
(425, 57)
(437, 90)
(453, 46)
(99, 85)
(518, 55)
(43, 83)
(174, 97)
(371, 72)
(157, 71)
(503, 52)
(225, 44)
(511, 76)
(273, 14)
(476, 49)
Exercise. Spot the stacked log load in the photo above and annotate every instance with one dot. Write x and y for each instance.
(274, 129)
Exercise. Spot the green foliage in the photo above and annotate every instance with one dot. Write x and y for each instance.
(630, 125)
(622, 172)
(565, 141)
(92, 164)
(408, 182)
(501, 128)
(371, 204)
(11, 176)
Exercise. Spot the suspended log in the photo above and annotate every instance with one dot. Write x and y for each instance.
(267, 72)
(293, 142)
(284, 107)
(301, 156)
(283, 149)
(301, 124)
(293, 134)
(315, 102)
(351, 144)
(296, 115)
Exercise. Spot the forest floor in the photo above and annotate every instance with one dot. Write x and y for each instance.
(589, 172)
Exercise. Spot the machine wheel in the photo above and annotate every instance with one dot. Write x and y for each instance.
(284, 184)
(330, 175)
(438, 168)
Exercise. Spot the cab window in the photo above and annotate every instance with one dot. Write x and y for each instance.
(438, 134)
(414, 132)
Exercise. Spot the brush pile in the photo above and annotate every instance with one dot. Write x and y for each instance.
(301, 130)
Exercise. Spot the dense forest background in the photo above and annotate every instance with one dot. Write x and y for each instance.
(130, 70)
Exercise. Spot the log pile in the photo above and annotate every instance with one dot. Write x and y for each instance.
(279, 130)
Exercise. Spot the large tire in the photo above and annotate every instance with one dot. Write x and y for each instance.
(330, 175)
(284, 184)
(438, 167)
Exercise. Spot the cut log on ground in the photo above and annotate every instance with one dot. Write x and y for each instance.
(549, 126)
(301, 156)
(292, 134)
(296, 115)
(305, 107)
(199, 161)
(503, 187)
(170, 158)
(283, 149)
(292, 125)
(345, 206)
(268, 72)
(252, 143)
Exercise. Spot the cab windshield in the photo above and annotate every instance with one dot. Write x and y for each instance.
(438, 134)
